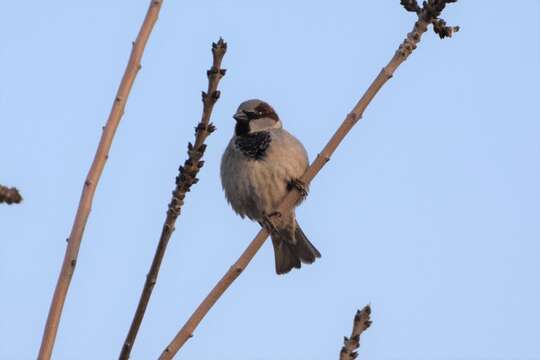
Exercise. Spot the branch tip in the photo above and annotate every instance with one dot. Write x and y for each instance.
(220, 48)
(440, 28)
(429, 13)
(351, 344)
(10, 195)
(411, 6)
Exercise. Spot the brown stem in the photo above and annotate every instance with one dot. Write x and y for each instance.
(186, 178)
(360, 324)
(92, 179)
(9, 195)
(409, 44)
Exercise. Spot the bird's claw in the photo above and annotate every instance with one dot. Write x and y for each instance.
(300, 186)
(267, 222)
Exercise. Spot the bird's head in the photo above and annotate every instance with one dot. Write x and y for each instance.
(255, 115)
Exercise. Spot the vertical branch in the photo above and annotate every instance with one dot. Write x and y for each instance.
(9, 195)
(187, 177)
(92, 179)
(361, 322)
(429, 12)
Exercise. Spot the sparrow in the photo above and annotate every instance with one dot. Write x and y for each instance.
(261, 163)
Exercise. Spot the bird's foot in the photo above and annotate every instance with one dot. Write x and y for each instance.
(300, 186)
(267, 222)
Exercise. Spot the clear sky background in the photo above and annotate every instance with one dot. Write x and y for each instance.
(430, 210)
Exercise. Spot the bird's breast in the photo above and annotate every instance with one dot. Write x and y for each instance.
(255, 172)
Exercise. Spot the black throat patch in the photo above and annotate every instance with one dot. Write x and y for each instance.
(254, 145)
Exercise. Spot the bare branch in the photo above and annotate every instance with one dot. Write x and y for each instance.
(92, 179)
(187, 177)
(360, 324)
(9, 195)
(405, 49)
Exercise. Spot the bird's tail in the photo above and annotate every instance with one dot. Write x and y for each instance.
(290, 252)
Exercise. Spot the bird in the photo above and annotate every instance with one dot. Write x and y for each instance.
(259, 166)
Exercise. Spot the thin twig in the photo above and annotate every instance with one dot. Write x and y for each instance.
(405, 49)
(361, 322)
(74, 242)
(187, 177)
(9, 195)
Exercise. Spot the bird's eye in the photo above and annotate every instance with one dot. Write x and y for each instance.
(251, 115)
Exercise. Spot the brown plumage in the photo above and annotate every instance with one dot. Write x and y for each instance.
(257, 167)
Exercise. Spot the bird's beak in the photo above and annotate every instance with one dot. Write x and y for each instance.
(240, 116)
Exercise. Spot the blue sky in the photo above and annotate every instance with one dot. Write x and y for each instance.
(429, 210)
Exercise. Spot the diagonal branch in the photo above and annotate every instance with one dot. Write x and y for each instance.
(92, 179)
(361, 322)
(9, 195)
(187, 177)
(405, 49)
